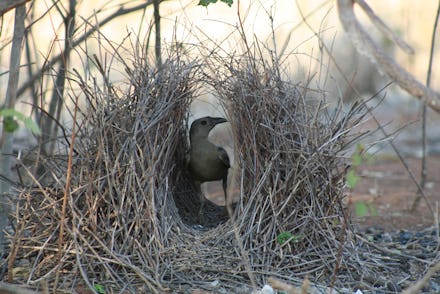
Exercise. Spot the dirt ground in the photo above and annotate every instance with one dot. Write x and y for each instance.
(388, 190)
(386, 186)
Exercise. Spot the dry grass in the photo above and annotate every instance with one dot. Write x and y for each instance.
(131, 217)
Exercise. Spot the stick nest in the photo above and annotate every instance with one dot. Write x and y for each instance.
(130, 220)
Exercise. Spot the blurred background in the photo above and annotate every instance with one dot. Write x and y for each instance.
(296, 30)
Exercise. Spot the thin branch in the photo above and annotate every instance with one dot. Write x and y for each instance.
(417, 287)
(50, 63)
(157, 46)
(67, 186)
(384, 28)
(365, 45)
(14, 289)
(6, 5)
(424, 111)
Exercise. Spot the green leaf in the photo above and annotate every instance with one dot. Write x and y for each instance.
(10, 124)
(295, 238)
(229, 2)
(288, 237)
(99, 288)
(31, 125)
(356, 159)
(205, 3)
(283, 237)
(352, 179)
(361, 209)
(12, 112)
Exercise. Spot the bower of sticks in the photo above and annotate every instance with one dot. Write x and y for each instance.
(119, 210)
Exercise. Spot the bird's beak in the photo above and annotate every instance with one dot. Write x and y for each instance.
(219, 120)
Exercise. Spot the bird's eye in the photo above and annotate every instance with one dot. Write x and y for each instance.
(203, 122)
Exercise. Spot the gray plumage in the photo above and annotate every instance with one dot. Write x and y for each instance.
(207, 161)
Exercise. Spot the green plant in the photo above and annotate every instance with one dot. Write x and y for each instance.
(358, 158)
(207, 2)
(10, 124)
(285, 237)
(363, 208)
(352, 178)
(99, 288)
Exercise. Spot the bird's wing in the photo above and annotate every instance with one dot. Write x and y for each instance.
(223, 156)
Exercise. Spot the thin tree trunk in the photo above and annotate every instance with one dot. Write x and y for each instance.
(157, 46)
(7, 138)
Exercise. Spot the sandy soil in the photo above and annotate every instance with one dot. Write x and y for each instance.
(388, 189)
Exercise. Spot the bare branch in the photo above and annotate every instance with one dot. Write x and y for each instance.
(417, 287)
(365, 45)
(157, 45)
(50, 63)
(384, 28)
(6, 5)
(14, 289)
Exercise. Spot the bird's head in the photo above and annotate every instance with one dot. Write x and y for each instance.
(202, 126)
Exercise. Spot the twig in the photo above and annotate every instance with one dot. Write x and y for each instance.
(425, 113)
(14, 289)
(157, 45)
(288, 288)
(342, 239)
(243, 254)
(417, 287)
(391, 252)
(67, 187)
(50, 63)
(7, 5)
(384, 28)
